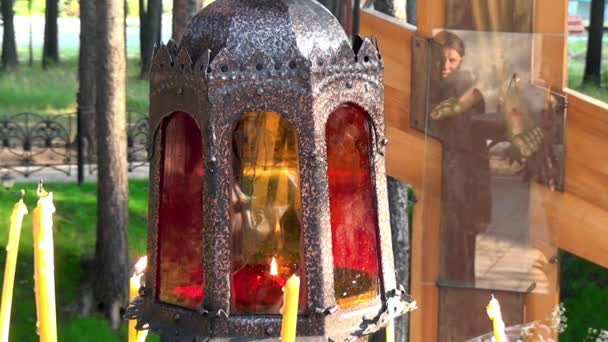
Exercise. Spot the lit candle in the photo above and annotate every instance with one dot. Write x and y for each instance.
(257, 288)
(44, 272)
(493, 309)
(390, 331)
(134, 285)
(291, 293)
(12, 247)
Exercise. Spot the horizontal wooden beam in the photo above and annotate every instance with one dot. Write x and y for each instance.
(582, 229)
(586, 146)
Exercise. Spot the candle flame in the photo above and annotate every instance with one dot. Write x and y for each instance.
(141, 264)
(274, 268)
(493, 308)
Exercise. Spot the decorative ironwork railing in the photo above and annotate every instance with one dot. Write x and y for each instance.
(31, 142)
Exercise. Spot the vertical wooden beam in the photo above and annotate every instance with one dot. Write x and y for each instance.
(420, 166)
(425, 231)
(551, 22)
(430, 15)
(551, 28)
(543, 225)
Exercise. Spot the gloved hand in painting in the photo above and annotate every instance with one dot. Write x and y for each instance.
(456, 106)
(521, 130)
(528, 142)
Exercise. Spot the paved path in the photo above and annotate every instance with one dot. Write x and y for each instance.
(49, 175)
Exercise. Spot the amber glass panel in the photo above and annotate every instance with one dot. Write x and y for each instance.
(352, 206)
(266, 211)
(180, 255)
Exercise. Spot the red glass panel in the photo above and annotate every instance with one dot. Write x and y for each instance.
(180, 255)
(266, 212)
(352, 206)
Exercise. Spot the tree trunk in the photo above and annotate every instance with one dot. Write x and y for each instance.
(142, 30)
(151, 35)
(594, 44)
(410, 12)
(30, 45)
(183, 11)
(9, 47)
(336, 8)
(50, 50)
(111, 249)
(385, 6)
(86, 78)
(399, 203)
(399, 207)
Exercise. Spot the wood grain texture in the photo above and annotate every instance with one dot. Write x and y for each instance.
(586, 146)
(412, 159)
(430, 14)
(543, 227)
(583, 229)
(551, 21)
(395, 40)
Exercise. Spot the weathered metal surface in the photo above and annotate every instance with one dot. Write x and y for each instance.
(289, 57)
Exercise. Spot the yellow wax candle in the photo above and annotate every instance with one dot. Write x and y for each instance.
(12, 247)
(390, 331)
(498, 326)
(134, 285)
(44, 270)
(291, 293)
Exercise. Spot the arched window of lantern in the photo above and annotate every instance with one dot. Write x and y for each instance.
(265, 212)
(354, 222)
(180, 222)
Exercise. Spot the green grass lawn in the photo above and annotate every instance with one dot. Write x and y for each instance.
(74, 238)
(576, 67)
(54, 90)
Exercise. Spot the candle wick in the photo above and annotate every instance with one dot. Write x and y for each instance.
(40, 191)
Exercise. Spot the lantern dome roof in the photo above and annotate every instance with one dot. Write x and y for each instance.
(277, 28)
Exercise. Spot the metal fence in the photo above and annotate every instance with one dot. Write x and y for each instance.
(30, 143)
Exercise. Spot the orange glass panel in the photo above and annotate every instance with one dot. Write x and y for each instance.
(352, 206)
(180, 221)
(266, 212)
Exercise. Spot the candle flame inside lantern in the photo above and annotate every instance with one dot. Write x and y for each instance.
(274, 268)
(140, 265)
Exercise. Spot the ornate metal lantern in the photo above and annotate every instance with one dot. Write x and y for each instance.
(267, 158)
